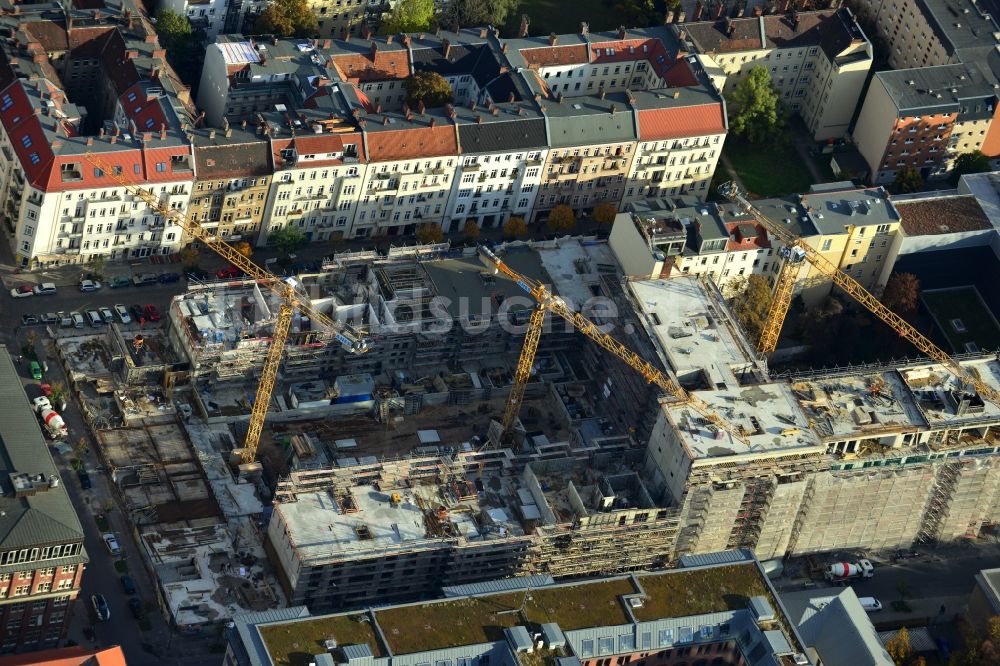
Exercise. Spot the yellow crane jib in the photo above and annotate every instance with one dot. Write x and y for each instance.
(852, 287)
(292, 300)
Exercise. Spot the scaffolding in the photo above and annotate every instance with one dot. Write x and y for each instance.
(939, 503)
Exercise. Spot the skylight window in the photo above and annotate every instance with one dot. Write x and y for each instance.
(26, 141)
(35, 159)
(149, 123)
(7, 102)
(131, 96)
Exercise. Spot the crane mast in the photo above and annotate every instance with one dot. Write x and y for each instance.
(291, 300)
(799, 251)
(549, 302)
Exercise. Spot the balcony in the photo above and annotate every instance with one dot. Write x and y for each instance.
(470, 167)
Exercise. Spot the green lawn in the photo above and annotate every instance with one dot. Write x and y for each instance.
(964, 303)
(554, 16)
(768, 170)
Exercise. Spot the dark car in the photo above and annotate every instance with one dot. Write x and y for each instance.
(905, 554)
(127, 584)
(152, 314)
(29, 320)
(228, 273)
(84, 479)
(135, 605)
(137, 312)
(169, 278)
(119, 281)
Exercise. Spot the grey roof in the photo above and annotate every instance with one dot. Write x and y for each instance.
(461, 281)
(501, 133)
(958, 23)
(830, 212)
(242, 154)
(941, 89)
(245, 639)
(48, 516)
(578, 121)
(721, 557)
(553, 635)
(832, 621)
(499, 585)
(519, 638)
(761, 608)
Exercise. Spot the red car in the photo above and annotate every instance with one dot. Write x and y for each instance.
(151, 313)
(228, 273)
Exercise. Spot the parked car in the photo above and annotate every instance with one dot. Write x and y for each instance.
(65, 318)
(128, 584)
(36, 370)
(107, 315)
(77, 318)
(29, 320)
(870, 604)
(95, 318)
(22, 291)
(145, 279)
(84, 479)
(228, 273)
(112, 543)
(50, 318)
(135, 605)
(169, 278)
(45, 289)
(119, 281)
(137, 312)
(89, 285)
(151, 313)
(122, 313)
(101, 609)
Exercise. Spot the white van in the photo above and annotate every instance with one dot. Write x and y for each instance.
(870, 604)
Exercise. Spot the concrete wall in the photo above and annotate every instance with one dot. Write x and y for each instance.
(631, 249)
(871, 132)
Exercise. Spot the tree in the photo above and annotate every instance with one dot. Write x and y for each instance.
(96, 264)
(637, 12)
(429, 87)
(471, 229)
(604, 213)
(756, 113)
(907, 180)
(408, 16)
(515, 227)
(902, 293)
(974, 162)
(561, 218)
(190, 257)
(478, 12)
(429, 233)
(899, 647)
(173, 29)
(244, 248)
(287, 18)
(750, 300)
(287, 239)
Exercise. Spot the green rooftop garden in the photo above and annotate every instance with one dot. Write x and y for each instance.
(693, 592)
(295, 643)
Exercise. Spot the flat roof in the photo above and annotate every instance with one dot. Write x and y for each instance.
(576, 268)
(858, 404)
(468, 286)
(768, 414)
(942, 215)
(285, 639)
(692, 329)
(937, 391)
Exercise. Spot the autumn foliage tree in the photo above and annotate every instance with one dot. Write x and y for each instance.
(604, 213)
(429, 233)
(429, 87)
(899, 648)
(515, 227)
(561, 218)
(244, 248)
(902, 293)
(750, 299)
(287, 18)
(471, 229)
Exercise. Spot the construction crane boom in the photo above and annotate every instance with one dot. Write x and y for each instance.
(798, 248)
(291, 300)
(547, 301)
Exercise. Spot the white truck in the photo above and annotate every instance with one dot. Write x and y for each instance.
(54, 423)
(841, 572)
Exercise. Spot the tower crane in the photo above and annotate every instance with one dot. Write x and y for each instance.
(291, 299)
(796, 251)
(546, 301)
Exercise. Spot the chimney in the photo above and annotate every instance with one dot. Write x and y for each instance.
(479, 119)
(404, 39)
(445, 48)
(150, 38)
(385, 120)
(698, 9)
(163, 132)
(406, 109)
(437, 30)
(522, 30)
(409, 115)
(160, 53)
(758, 11)
(600, 93)
(717, 11)
(243, 125)
(472, 105)
(229, 133)
(211, 134)
(559, 98)
(114, 139)
(495, 111)
(327, 43)
(503, 49)
(388, 39)
(362, 123)
(614, 109)
(57, 144)
(483, 32)
(730, 27)
(456, 28)
(621, 32)
(584, 28)
(366, 32)
(553, 39)
(681, 36)
(421, 107)
(274, 40)
(433, 122)
(90, 140)
(511, 97)
(200, 119)
(344, 35)
(378, 107)
(100, 133)
(132, 53)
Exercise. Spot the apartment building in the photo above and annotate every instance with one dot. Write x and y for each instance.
(924, 119)
(234, 171)
(928, 33)
(854, 229)
(734, 616)
(128, 109)
(42, 557)
(534, 122)
(207, 17)
(818, 61)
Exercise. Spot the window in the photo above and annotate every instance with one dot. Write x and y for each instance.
(98, 173)
(161, 167)
(137, 169)
(605, 645)
(666, 637)
(7, 102)
(21, 590)
(626, 643)
(35, 159)
(826, 245)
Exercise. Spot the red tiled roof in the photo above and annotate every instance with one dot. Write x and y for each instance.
(317, 144)
(117, 66)
(760, 241)
(678, 122)
(413, 143)
(68, 656)
(385, 66)
(679, 75)
(551, 56)
(22, 126)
